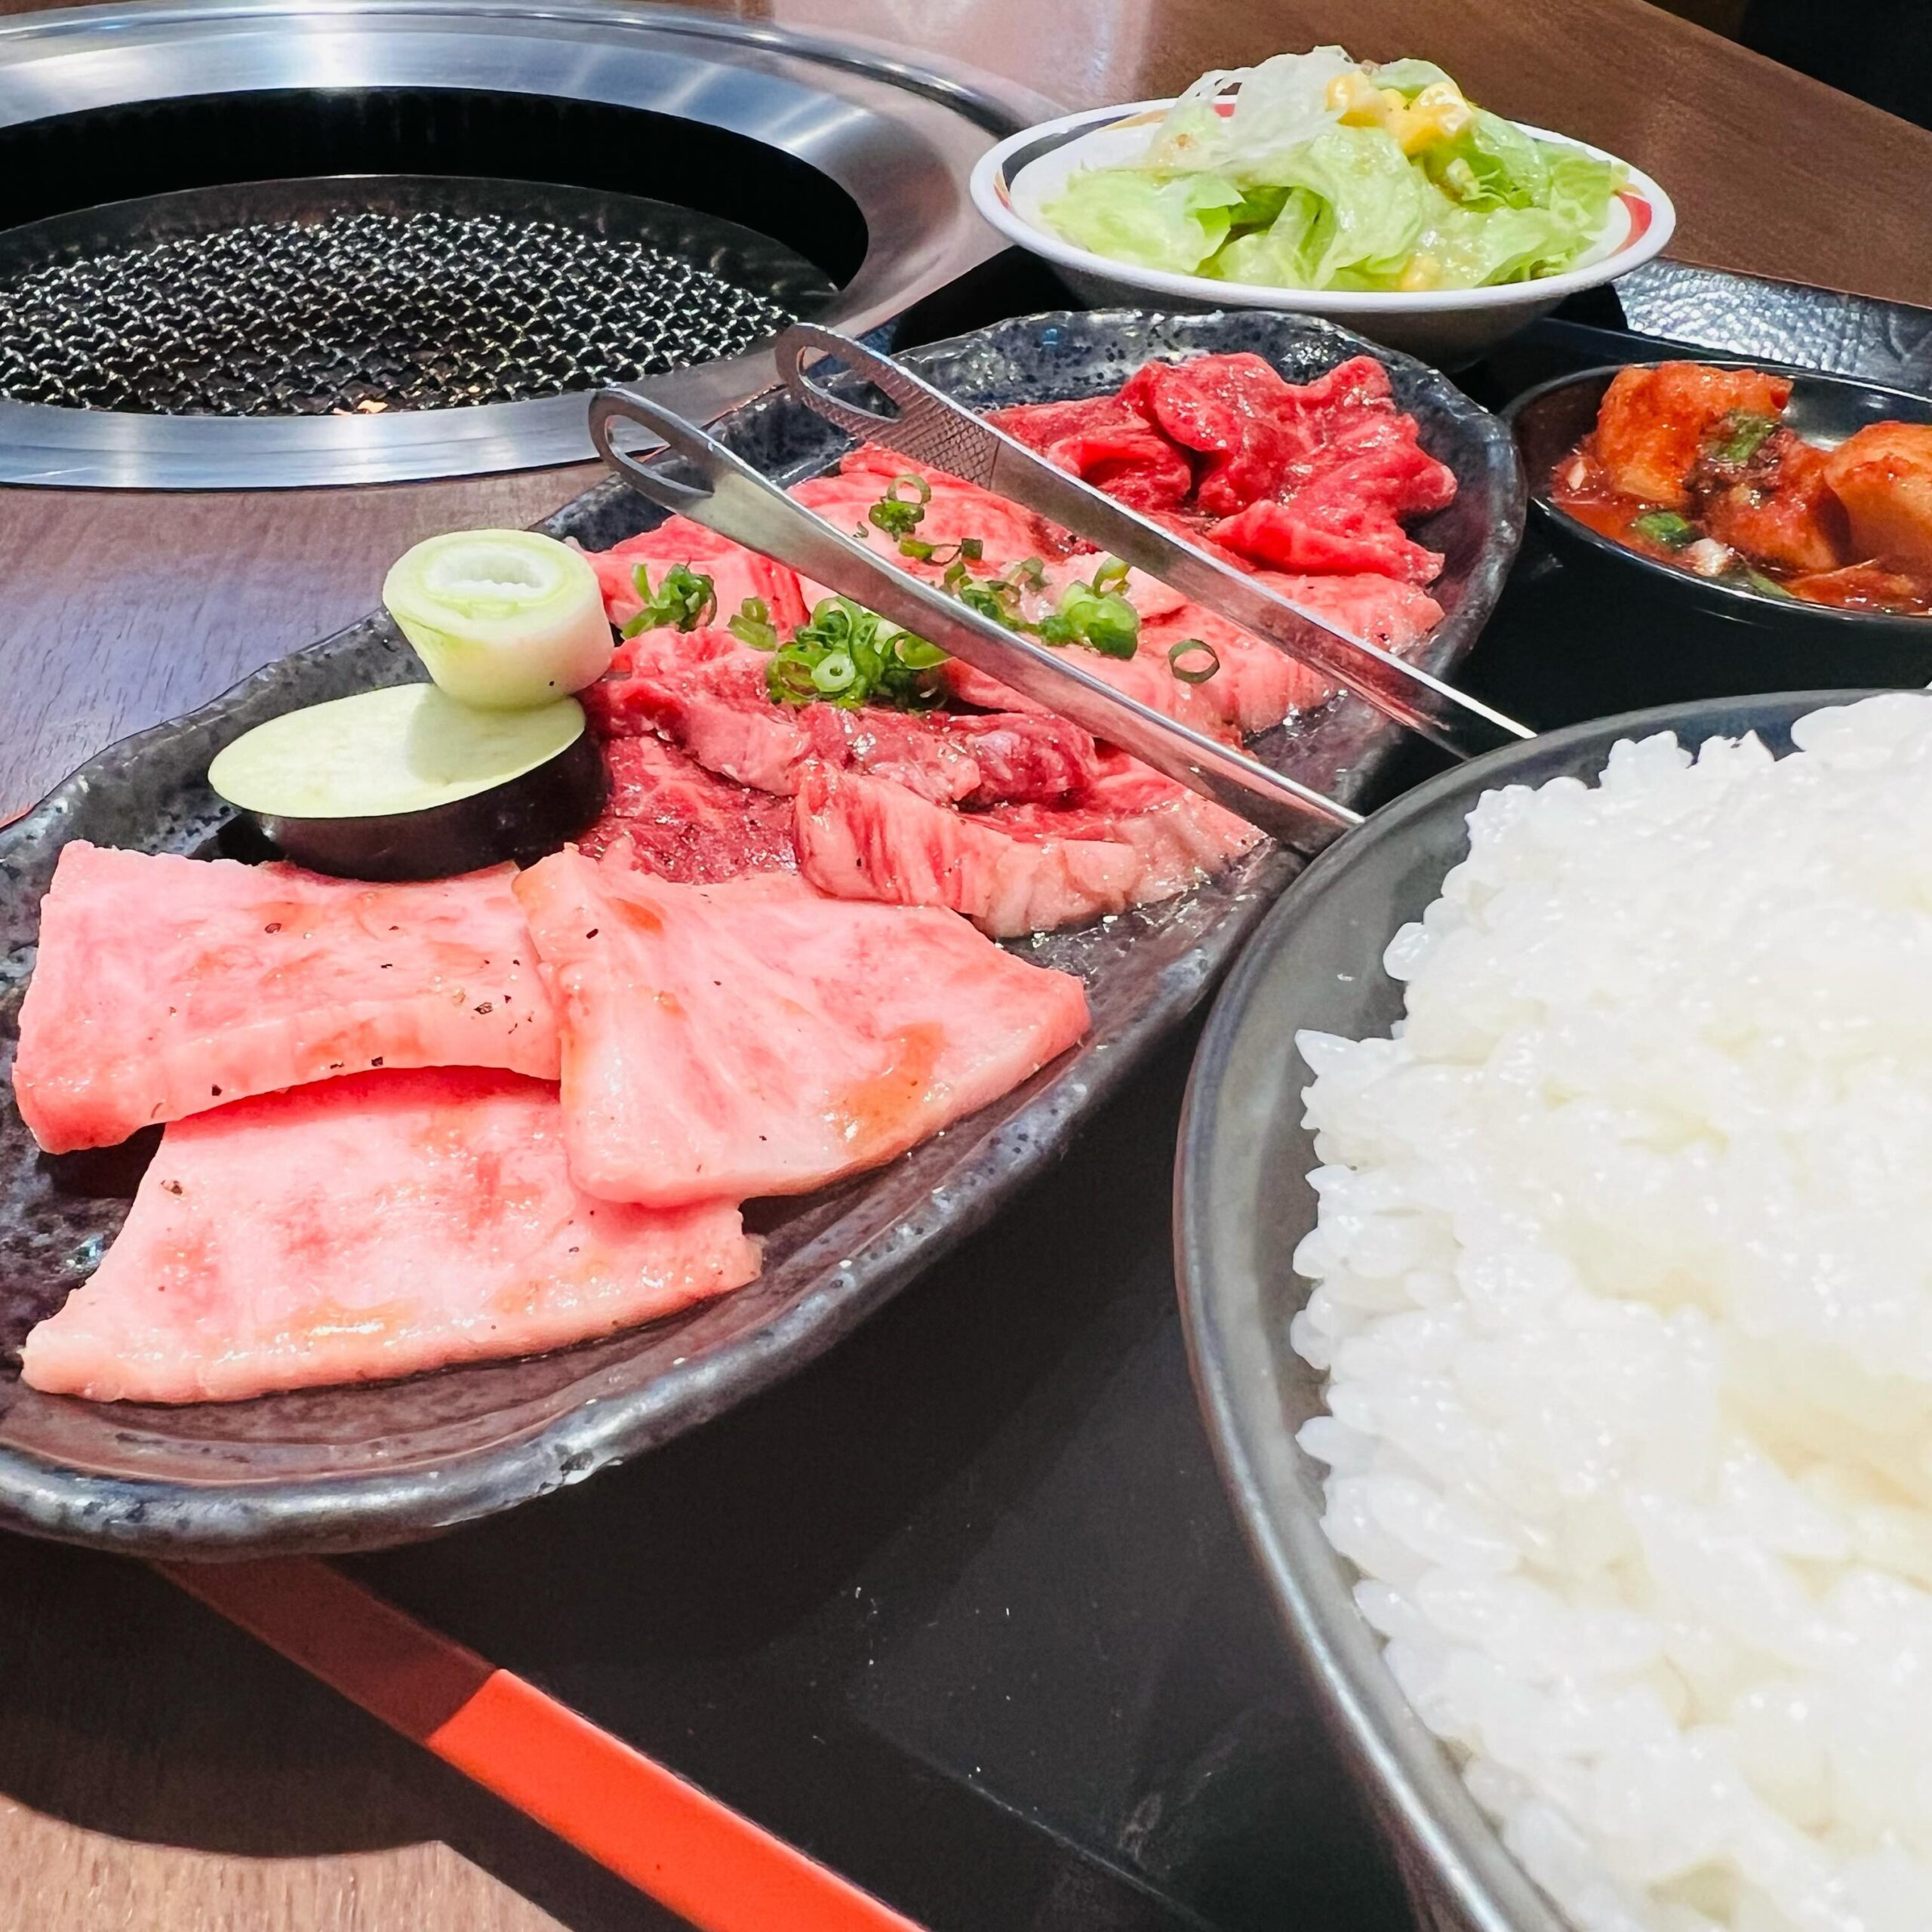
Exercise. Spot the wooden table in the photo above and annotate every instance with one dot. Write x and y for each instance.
(159, 1771)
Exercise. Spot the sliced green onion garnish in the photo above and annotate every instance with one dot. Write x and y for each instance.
(899, 515)
(1745, 432)
(970, 548)
(789, 677)
(686, 599)
(1666, 526)
(753, 624)
(1207, 660)
(990, 600)
(835, 672)
(1105, 622)
(1094, 614)
(1759, 582)
(1112, 627)
(848, 656)
(915, 653)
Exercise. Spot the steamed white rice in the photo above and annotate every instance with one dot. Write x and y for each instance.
(1623, 1284)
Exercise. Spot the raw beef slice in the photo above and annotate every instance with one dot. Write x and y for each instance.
(166, 986)
(670, 816)
(754, 1037)
(372, 1226)
(1135, 838)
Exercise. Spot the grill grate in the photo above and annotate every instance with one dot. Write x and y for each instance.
(362, 309)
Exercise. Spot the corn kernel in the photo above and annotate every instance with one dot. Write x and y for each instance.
(1446, 96)
(1358, 99)
(1422, 271)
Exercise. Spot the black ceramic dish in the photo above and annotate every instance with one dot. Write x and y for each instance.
(1242, 1206)
(1856, 648)
(357, 1468)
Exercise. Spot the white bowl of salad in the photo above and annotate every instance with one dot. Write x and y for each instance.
(1380, 196)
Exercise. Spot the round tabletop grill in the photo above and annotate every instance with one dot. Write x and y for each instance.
(378, 239)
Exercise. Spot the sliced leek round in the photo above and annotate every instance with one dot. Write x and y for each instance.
(505, 620)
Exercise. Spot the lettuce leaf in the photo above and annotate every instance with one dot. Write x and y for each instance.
(1580, 189)
(1131, 215)
(1408, 78)
(1279, 193)
(1374, 201)
(1286, 253)
(1472, 249)
(1491, 164)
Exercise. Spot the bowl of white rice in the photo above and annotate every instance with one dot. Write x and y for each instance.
(1554, 1233)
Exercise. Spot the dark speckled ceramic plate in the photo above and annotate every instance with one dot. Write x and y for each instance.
(356, 1468)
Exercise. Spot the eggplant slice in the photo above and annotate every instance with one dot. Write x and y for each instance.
(403, 782)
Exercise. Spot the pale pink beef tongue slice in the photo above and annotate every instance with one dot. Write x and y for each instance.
(365, 1227)
(164, 986)
(755, 1037)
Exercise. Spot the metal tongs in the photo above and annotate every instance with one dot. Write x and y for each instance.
(712, 486)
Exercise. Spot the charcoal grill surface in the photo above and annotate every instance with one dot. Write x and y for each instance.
(359, 296)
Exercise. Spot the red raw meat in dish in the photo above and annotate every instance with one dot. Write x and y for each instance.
(1022, 757)
(875, 460)
(1332, 538)
(1384, 471)
(1383, 610)
(866, 838)
(1254, 688)
(1198, 531)
(968, 686)
(707, 693)
(1235, 412)
(979, 760)
(373, 1226)
(916, 752)
(1179, 837)
(956, 510)
(1133, 837)
(1107, 443)
(1257, 686)
(670, 816)
(165, 987)
(755, 1037)
(736, 573)
(1149, 595)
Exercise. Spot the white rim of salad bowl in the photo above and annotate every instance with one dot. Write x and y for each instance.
(1641, 221)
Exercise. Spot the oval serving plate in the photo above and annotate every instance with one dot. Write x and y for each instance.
(1243, 1205)
(359, 1467)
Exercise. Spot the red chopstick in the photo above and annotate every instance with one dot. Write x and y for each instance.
(709, 1864)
